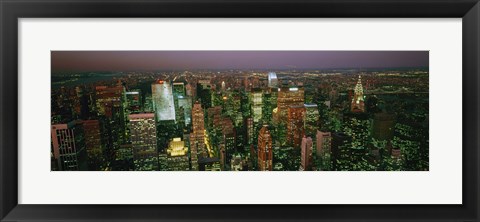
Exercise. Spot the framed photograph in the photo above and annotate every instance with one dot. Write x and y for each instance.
(239, 110)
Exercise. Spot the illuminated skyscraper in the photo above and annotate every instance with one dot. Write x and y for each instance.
(265, 151)
(144, 141)
(197, 137)
(256, 104)
(109, 100)
(179, 92)
(288, 96)
(185, 102)
(177, 156)
(228, 138)
(68, 143)
(163, 103)
(110, 105)
(358, 104)
(268, 106)
(324, 149)
(178, 89)
(306, 154)
(272, 80)
(134, 101)
(295, 125)
(223, 86)
(312, 120)
(93, 144)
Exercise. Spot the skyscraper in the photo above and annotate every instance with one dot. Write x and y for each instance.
(163, 103)
(272, 80)
(358, 104)
(265, 151)
(68, 143)
(204, 93)
(295, 125)
(134, 101)
(178, 93)
(324, 149)
(177, 155)
(93, 144)
(178, 89)
(312, 119)
(228, 138)
(306, 154)
(197, 137)
(288, 96)
(144, 141)
(185, 102)
(256, 104)
(110, 106)
(268, 106)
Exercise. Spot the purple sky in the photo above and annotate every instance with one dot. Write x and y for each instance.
(181, 60)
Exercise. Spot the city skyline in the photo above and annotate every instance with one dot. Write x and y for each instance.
(242, 120)
(65, 61)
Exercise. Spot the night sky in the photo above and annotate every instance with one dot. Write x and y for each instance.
(189, 60)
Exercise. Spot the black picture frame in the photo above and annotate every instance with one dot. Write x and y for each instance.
(11, 11)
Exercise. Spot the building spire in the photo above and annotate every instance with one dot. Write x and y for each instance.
(358, 99)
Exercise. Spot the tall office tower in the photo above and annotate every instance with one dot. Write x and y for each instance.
(204, 93)
(214, 116)
(255, 98)
(148, 104)
(358, 104)
(265, 151)
(312, 120)
(224, 87)
(110, 104)
(228, 103)
(177, 156)
(109, 100)
(179, 92)
(179, 89)
(233, 108)
(357, 126)
(245, 105)
(134, 101)
(306, 154)
(249, 130)
(197, 137)
(144, 141)
(341, 145)
(68, 143)
(228, 138)
(383, 126)
(93, 144)
(288, 96)
(163, 103)
(324, 150)
(185, 102)
(76, 102)
(267, 106)
(272, 80)
(295, 125)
